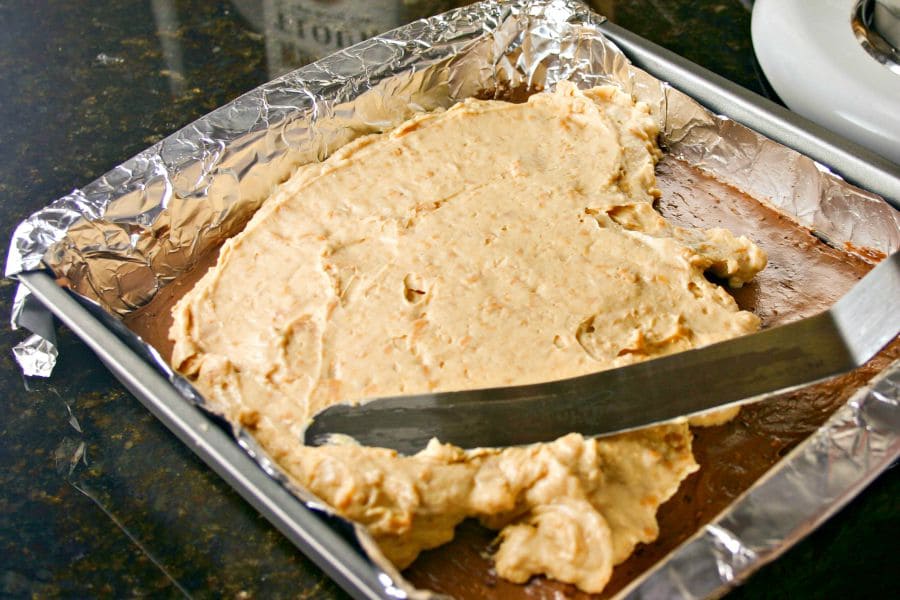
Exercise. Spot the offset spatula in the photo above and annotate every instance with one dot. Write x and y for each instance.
(718, 375)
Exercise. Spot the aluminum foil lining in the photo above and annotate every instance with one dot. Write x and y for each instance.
(123, 237)
(37, 354)
(810, 484)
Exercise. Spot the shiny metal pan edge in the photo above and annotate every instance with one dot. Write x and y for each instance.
(858, 442)
(855, 164)
(343, 562)
(347, 564)
(354, 572)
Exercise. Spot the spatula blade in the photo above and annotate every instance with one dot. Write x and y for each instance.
(659, 390)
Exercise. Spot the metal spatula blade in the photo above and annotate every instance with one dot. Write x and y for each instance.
(654, 391)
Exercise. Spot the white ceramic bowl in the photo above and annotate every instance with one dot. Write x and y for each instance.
(810, 54)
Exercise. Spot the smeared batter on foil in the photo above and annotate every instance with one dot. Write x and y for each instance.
(487, 245)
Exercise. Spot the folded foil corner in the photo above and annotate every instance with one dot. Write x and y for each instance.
(36, 356)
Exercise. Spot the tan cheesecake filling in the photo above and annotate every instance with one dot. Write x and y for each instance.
(487, 245)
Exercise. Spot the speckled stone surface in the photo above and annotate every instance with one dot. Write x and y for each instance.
(96, 497)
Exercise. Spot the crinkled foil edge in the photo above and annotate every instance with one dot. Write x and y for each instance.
(807, 486)
(123, 237)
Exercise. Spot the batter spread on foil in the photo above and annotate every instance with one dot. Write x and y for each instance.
(487, 245)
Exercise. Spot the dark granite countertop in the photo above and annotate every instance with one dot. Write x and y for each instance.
(99, 499)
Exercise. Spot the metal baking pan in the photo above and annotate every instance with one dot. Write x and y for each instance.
(331, 544)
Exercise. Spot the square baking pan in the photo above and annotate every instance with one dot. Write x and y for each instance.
(331, 543)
